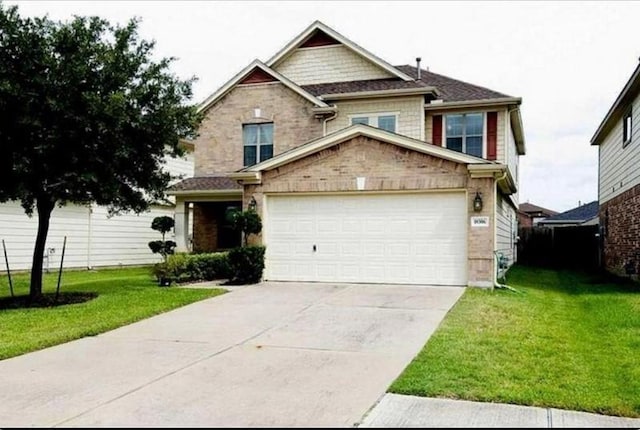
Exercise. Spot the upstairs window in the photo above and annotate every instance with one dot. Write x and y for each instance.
(383, 121)
(465, 133)
(258, 142)
(626, 128)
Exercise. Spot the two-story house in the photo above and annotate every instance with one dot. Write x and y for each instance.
(619, 180)
(361, 171)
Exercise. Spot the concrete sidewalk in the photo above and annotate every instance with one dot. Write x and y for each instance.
(396, 410)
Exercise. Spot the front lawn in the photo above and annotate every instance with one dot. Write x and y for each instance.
(566, 340)
(124, 296)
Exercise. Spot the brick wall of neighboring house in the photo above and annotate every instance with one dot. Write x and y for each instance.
(524, 220)
(620, 218)
(386, 168)
(219, 147)
(333, 63)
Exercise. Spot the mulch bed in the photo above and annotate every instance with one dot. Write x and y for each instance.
(46, 301)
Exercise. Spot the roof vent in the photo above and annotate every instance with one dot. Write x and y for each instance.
(418, 59)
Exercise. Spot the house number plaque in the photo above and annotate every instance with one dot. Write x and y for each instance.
(479, 221)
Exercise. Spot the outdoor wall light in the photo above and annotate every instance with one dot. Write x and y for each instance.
(477, 202)
(252, 204)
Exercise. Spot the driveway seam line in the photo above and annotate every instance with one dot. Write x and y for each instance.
(549, 418)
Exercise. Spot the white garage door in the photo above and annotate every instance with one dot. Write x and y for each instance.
(380, 238)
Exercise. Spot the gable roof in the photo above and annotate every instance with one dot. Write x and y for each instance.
(580, 214)
(319, 26)
(619, 107)
(531, 208)
(264, 69)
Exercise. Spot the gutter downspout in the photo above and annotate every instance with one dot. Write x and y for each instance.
(327, 119)
(496, 284)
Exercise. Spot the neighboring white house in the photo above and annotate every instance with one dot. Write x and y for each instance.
(93, 238)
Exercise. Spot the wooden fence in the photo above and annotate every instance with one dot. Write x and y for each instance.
(574, 247)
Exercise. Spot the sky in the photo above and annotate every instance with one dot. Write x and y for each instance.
(568, 60)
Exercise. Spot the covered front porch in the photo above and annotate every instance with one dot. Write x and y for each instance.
(211, 198)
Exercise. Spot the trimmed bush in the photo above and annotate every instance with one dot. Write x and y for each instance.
(246, 264)
(183, 267)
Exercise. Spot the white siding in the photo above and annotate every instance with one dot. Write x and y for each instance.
(620, 167)
(93, 239)
(19, 233)
(513, 159)
(506, 228)
(182, 168)
(407, 108)
(335, 63)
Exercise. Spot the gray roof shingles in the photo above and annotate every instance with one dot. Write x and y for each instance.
(581, 213)
(450, 90)
(206, 183)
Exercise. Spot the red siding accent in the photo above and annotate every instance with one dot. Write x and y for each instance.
(492, 135)
(258, 76)
(319, 38)
(437, 130)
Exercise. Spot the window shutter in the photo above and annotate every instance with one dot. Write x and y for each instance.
(437, 130)
(492, 135)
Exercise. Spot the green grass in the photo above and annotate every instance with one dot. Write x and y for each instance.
(124, 296)
(567, 340)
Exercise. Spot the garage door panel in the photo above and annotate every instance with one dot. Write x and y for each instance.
(351, 226)
(381, 238)
(373, 249)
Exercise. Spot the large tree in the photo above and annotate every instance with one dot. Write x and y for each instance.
(86, 115)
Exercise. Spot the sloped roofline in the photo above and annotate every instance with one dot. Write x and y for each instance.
(349, 133)
(317, 25)
(223, 90)
(631, 88)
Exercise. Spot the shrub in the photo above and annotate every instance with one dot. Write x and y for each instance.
(247, 222)
(246, 264)
(163, 224)
(183, 267)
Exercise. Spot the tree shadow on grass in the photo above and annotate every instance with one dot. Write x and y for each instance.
(46, 301)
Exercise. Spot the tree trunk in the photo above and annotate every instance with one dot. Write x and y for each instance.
(44, 207)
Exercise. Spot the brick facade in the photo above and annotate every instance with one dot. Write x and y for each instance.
(205, 228)
(620, 220)
(210, 232)
(386, 167)
(219, 147)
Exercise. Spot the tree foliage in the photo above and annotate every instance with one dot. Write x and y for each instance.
(248, 222)
(163, 224)
(87, 116)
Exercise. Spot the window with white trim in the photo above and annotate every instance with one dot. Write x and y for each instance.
(465, 133)
(383, 121)
(258, 142)
(627, 124)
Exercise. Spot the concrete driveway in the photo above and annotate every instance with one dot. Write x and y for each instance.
(273, 354)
